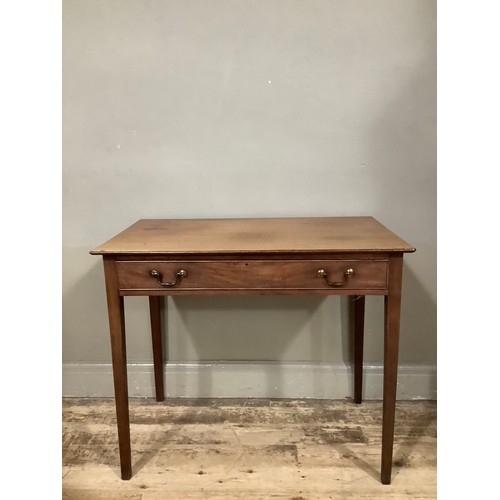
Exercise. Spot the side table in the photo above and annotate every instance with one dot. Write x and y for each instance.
(354, 256)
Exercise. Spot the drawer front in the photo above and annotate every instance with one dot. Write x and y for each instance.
(253, 275)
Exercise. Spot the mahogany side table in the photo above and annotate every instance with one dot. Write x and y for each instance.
(354, 256)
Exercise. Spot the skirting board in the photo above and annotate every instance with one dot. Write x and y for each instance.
(249, 380)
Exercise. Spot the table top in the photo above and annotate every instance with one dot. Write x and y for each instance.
(270, 235)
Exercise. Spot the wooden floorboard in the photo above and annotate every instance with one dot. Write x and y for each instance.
(252, 449)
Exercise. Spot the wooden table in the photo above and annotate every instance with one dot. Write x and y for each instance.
(354, 256)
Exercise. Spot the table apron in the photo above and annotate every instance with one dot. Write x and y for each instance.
(253, 276)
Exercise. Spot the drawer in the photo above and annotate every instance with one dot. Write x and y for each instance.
(253, 275)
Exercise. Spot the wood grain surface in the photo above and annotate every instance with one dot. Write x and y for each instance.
(205, 236)
(248, 449)
(260, 274)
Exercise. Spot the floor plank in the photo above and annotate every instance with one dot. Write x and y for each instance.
(258, 449)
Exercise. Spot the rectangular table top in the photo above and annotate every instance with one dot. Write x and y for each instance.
(269, 235)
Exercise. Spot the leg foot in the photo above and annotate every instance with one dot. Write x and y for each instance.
(391, 349)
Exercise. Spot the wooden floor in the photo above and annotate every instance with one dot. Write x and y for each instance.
(257, 449)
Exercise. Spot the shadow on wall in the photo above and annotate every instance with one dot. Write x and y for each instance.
(418, 322)
(85, 334)
(401, 169)
(258, 329)
(418, 326)
(85, 316)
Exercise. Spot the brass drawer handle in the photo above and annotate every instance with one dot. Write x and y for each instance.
(181, 273)
(323, 274)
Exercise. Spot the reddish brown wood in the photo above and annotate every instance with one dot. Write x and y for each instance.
(233, 292)
(119, 359)
(155, 316)
(359, 327)
(255, 257)
(391, 349)
(247, 256)
(218, 236)
(253, 274)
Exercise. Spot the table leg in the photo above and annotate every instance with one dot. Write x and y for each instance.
(359, 326)
(391, 348)
(119, 358)
(155, 315)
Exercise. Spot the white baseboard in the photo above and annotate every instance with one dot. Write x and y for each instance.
(249, 380)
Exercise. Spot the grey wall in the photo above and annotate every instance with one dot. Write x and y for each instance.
(231, 108)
